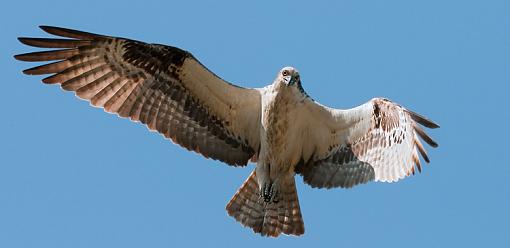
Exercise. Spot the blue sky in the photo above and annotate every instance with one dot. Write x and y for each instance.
(74, 176)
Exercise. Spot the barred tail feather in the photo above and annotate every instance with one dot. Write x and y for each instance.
(268, 219)
(246, 206)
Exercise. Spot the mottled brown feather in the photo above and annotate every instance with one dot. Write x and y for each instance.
(74, 71)
(422, 150)
(92, 89)
(107, 92)
(361, 159)
(422, 120)
(47, 55)
(54, 67)
(267, 218)
(53, 43)
(70, 33)
(424, 136)
(85, 78)
(139, 81)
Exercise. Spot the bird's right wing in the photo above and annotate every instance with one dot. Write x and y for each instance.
(375, 141)
(164, 87)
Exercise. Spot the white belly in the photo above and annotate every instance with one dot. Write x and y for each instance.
(282, 136)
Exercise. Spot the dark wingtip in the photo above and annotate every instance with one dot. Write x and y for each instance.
(49, 29)
(424, 136)
(43, 27)
(24, 40)
(17, 57)
(24, 57)
(27, 72)
(423, 120)
(69, 33)
(433, 125)
(426, 158)
(432, 143)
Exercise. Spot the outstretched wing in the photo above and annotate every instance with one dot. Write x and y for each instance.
(164, 87)
(375, 141)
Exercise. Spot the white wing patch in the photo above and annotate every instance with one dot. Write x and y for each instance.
(379, 133)
(388, 151)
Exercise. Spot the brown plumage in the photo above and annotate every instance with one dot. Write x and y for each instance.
(268, 219)
(139, 81)
(279, 126)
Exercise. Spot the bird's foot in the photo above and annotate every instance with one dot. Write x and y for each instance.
(270, 192)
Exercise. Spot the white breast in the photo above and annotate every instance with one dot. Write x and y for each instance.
(282, 135)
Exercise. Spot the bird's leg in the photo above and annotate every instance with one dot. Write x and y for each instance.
(265, 191)
(268, 189)
(270, 192)
(263, 180)
(274, 195)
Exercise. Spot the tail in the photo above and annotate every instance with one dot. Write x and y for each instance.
(268, 219)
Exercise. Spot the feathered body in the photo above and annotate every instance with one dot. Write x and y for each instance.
(278, 126)
(272, 188)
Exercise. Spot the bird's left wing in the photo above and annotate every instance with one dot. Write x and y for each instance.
(375, 141)
(164, 87)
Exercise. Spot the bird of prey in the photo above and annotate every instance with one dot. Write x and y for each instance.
(278, 127)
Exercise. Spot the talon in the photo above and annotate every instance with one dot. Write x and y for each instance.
(270, 193)
(274, 194)
(267, 192)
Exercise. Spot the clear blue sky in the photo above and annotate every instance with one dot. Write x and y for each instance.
(74, 176)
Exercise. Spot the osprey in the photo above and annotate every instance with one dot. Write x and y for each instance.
(279, 126)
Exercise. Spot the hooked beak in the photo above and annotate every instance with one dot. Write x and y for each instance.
(287, 79)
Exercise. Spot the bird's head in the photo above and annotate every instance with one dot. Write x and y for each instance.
(289, 76)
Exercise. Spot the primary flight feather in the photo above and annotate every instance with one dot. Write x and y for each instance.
(279, 126)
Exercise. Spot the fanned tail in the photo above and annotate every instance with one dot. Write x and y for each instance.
(267, 218)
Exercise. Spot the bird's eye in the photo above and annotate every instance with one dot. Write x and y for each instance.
(285, 73)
